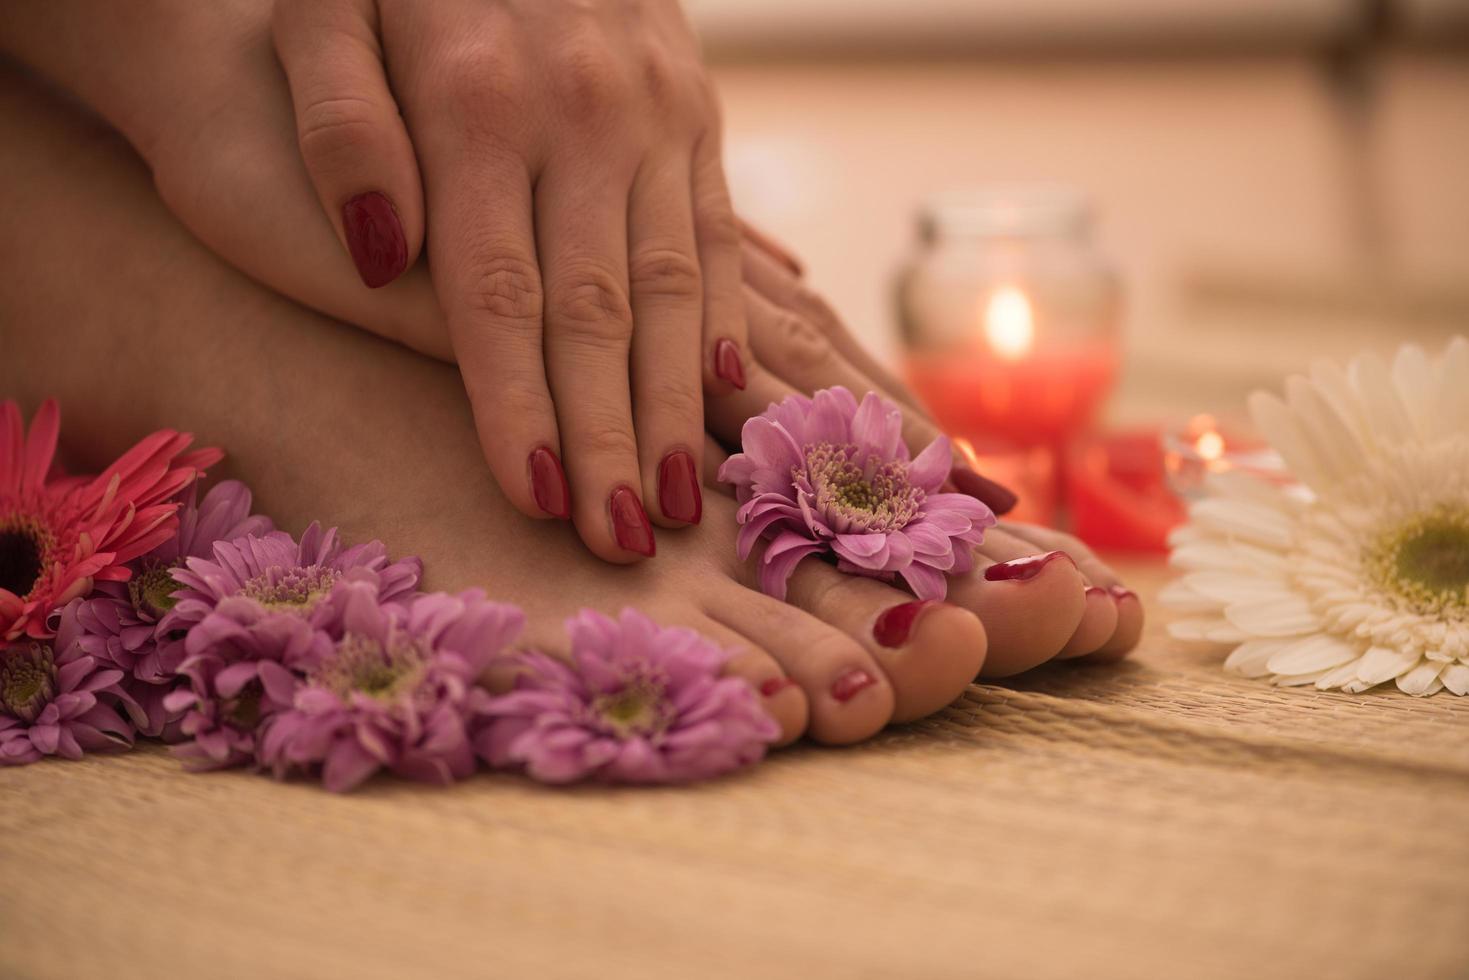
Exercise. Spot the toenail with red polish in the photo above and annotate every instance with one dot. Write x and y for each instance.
(375, 238)
(775, 685)
(1092, 590)
(548, 483)
(1119, 593)
(895, 624)
(629, 523)
(678, 488)
(852, 683)
(998, 498)
(1023, 568)
(727, 364)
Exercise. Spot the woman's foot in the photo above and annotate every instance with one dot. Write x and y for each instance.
(114, 309)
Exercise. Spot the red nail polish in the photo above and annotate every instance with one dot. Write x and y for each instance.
(375, 238)
(548, 483)
(850, 684)
(1092, 590)
(629, 523)
(997, 498)
(678, 488)
(1023, 568)
(894, 624)
(727, 363)
(775, 685)
(1119, 593)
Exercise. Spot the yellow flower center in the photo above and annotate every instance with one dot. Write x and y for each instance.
(637, 708)
(151, 590)
(364, 666)
(1425, 562)
(295, 590)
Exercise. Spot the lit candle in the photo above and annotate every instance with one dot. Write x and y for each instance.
(1011, 383)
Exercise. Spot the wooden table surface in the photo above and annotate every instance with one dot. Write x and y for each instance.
(1152, 819)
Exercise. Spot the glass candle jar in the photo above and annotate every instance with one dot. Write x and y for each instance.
(1009, 315)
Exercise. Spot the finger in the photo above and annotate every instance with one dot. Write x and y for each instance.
(726, 346)
(352, 138)
(785, 291)
(771, 247)
(485, 269)
(804, 358)
(581, 225)
(667, 307)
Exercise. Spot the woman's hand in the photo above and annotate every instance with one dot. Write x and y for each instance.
(583, 247)
(213, 120)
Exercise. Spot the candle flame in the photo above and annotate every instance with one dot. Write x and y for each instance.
(1210, 446)
(1009, 323)
(1208, 442)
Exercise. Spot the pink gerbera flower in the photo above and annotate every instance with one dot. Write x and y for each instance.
(637, 704)
(121, 621)
(397, 691)
(267, 596)
(825, 474)
(57, 700)
(59, 535)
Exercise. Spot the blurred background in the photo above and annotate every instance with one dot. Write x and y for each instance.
(1273, 180)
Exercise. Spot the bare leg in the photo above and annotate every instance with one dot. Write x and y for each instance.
(107, 304)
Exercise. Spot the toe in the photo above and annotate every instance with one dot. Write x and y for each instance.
(1129, 628)
(1098, 623)
(1030, 608)
(930, 651)
(847, 695)
(1035, 538)
(782, 697)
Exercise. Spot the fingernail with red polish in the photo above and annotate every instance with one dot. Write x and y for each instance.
(850, 684)
(1023, 568)
(629, 523)
(678, 488)
(1119, 593)
(727, 363)
(997, 498)
(774, 686)
(548, 484)
(375, 238)
(894, 624)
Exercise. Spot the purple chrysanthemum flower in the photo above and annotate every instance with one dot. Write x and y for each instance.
(397, 691)
(55, 699)
(256, 617)
(121, 621)
(638, 704)
(825, 474)
(226, 701)
(267, 597)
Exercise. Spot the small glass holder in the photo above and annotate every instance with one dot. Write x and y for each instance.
(1204, 445)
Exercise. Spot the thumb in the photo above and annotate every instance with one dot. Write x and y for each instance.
(352, 138)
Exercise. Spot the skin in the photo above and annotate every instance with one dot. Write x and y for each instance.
(381, 441)
(214, 118)
(569, 157)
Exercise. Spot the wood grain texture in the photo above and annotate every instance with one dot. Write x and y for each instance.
(1154, 819)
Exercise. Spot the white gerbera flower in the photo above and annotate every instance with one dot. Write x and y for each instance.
(1361, 575)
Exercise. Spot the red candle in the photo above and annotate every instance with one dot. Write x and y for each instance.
(1007, 385)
